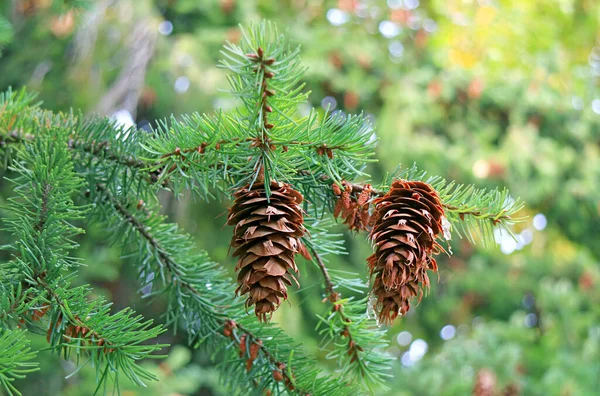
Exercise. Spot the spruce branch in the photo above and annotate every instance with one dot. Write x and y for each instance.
(123, 170)
(40, 273)
(112, 343)
(198, 153)
(347, 328)
(351, 332)
(15, 359)
(472, 212)
(266, 77)
(162, 250)
(200, 300)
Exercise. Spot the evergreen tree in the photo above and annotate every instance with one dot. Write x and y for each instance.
(286, 175)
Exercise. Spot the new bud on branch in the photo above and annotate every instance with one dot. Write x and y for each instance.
(406, 223)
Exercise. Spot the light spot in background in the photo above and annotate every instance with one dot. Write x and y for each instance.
(448, 332)
(429, 25)
(414, 22)
(373, 137)
(508, 245)
(404, 338)
(148, 288)
(144, 125)
(337, 17)
(539, 222)
(304, 109)
(481, 169)
(329, 103)
(577, 103)
(339, 117)
(477, 321)
(520, 244)
(394, 4)
(362, 10)
(389, 29)
(526, 236)
(208, 286)
(165, 28)
(224, 103)
(528, 301)
(396, 49)
(596, 106)
(375, 12)
(530, 320)
(460, 19)
(182, 84)
(406, 360)
(124, 119)
(417, 349)
(370, 118)
(411, 4)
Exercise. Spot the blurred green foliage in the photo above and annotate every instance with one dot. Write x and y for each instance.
(497, 93)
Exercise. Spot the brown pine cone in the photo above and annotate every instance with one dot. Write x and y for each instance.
(266, 238)
(406, 223)
(353, 208)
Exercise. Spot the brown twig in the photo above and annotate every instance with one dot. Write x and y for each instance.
(476, 213)
(103, 147)
(287, 374)
(334, 298)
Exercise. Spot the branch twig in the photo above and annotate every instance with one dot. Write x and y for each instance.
(334, 298)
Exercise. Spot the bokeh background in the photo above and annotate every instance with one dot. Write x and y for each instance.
(490, 92)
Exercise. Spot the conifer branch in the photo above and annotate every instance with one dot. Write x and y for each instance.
(123, 170)
(334, 298)
(221, 318)
(102, 149)
(15, 359)
(41, 223)
(472, 212)
(351, 331)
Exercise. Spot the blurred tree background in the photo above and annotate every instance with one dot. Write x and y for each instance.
(491, 92)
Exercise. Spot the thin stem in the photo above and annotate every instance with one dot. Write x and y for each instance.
(329, 286)
(334, 298)
(44, 210)
(203, 146)
(141, 228)
(14, 137)
(494, 217)
(96, 148)
(288, 379)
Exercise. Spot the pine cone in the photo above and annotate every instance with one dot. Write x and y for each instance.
(485, 383)
(266, 238)
(353, 208)
(406, 223)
